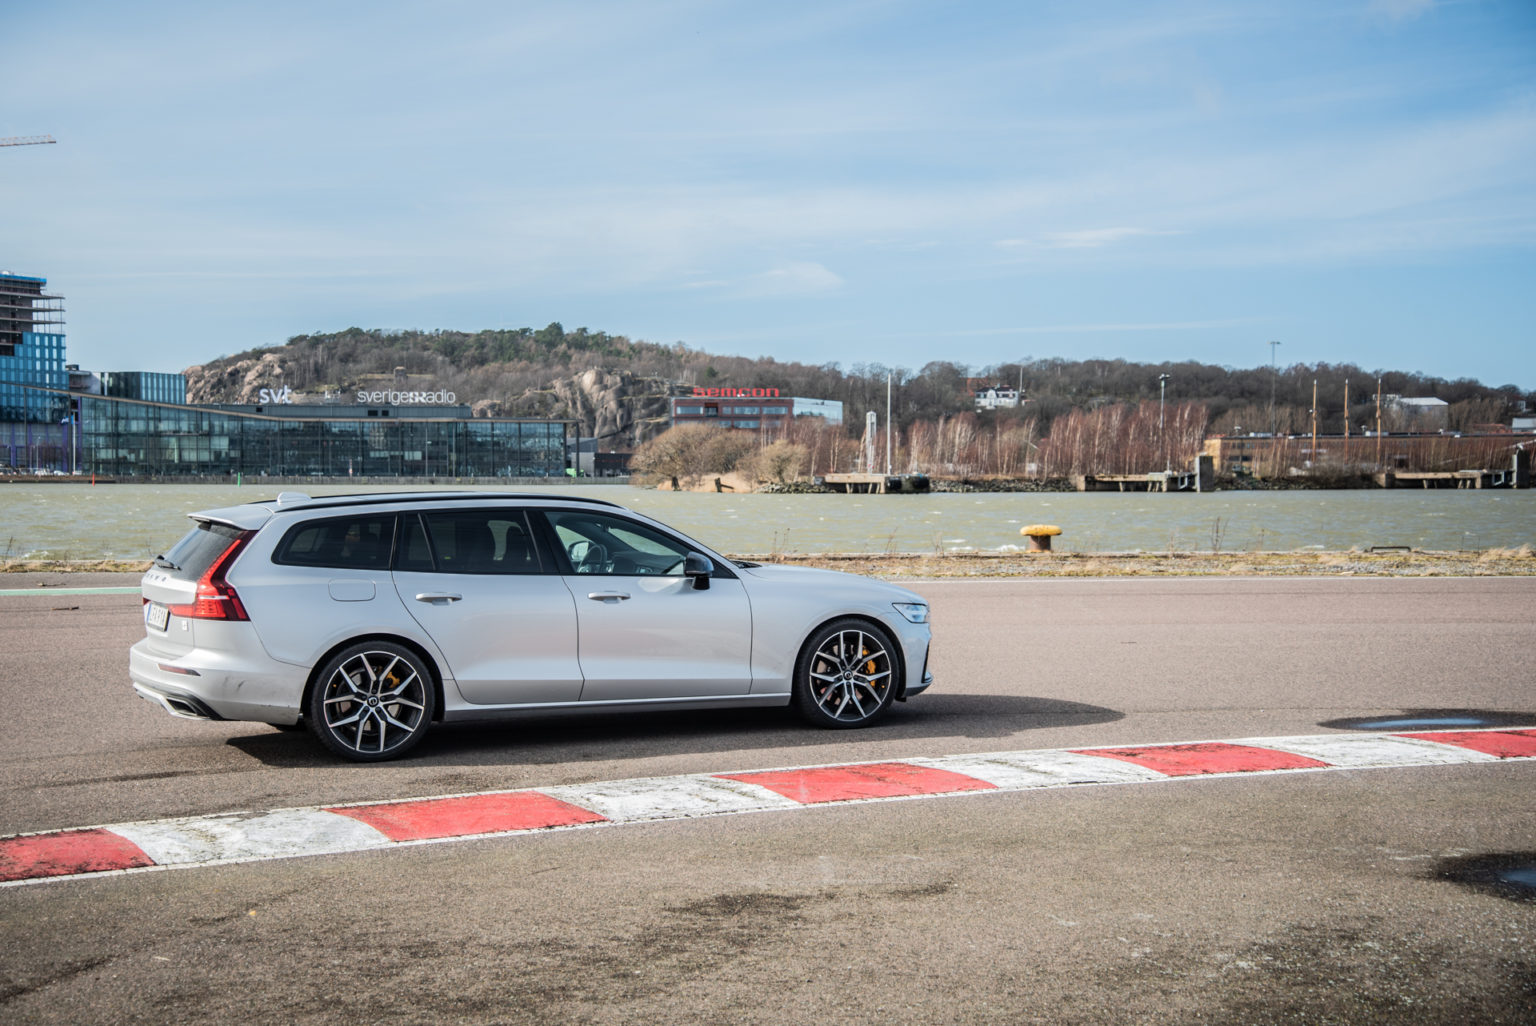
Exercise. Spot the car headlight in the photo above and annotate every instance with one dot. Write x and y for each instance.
(915, 612)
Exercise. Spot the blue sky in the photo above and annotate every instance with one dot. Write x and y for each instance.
(857, 182)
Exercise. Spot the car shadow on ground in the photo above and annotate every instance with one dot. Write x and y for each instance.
(548, 739)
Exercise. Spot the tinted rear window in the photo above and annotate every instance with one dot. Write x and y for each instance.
(348, 543)
(483, 542)
(198, 548)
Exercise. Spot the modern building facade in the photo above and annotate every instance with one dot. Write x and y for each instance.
(829, 410)
(133, 438)
(751, 409)
(34, 411)
(31, 351)
(150, 386)
(56, 418)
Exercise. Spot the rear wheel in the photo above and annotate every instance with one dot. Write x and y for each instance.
(846, 675)
(371, 702)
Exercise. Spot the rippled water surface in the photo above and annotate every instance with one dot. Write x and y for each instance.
(79, 521)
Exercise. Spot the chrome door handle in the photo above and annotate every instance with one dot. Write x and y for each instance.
(437, 596)
(604, 596)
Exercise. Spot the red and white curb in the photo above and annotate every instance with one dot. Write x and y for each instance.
(289, 833)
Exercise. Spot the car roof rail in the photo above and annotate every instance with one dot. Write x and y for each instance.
(393, 498)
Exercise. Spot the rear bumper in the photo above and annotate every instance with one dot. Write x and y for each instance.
(187, 707)
(206, 685)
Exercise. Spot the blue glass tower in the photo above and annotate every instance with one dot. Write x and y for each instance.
(31, 351)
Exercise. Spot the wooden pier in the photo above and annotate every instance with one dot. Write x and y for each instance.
(1200, 479)
(875, 484)
(1517, 476)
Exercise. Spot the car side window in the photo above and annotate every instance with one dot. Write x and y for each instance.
(482, 542)
(347, 543)
(414, 554)
(596, 543)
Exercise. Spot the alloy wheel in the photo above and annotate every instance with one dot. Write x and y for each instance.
(374, 703)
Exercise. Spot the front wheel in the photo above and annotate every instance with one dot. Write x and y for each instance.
(846, 675)
(372, 701)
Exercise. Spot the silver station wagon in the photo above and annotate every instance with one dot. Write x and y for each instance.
(367, 618)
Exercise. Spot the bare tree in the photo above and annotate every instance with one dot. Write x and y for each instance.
(781, 461)
(687, 452)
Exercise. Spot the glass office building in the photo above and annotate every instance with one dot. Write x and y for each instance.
(30, 353)
(128, 438)
(151, 385)
(136, 424)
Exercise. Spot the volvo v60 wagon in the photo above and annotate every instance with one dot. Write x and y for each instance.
(367, 618)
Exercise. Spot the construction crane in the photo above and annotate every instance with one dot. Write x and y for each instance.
(28, 140)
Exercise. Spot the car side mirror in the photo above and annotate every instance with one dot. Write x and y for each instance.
(698, 566)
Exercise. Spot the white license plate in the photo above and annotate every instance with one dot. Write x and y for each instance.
(156, 615)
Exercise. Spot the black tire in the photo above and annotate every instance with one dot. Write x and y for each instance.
(371, 701)
(847, 675)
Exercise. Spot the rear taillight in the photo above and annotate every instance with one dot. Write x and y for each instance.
(215, 599)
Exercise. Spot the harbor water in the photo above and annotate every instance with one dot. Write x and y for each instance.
(134, 521)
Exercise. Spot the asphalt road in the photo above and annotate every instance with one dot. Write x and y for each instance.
(1347, 896)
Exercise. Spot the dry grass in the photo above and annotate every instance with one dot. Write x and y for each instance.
(1498, 555)
(1507, 562)
(78, 566)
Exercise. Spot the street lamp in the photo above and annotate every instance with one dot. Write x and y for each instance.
(1273, 377)
(1162, 393)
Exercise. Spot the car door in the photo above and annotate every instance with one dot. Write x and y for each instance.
(477, 581)
(646, 632)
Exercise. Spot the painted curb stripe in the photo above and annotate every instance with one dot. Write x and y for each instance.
(870, 780)
(68, 853)
(1018, 771)
(633, 801)
(460, 817)
(289, 833)
(1504, 744)
(244, 836)
(1373, 751)
(1209, 757)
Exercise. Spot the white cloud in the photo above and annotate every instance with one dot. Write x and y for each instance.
(1401, 10)
(1085, 329)
(1087, 238)
(797, 278)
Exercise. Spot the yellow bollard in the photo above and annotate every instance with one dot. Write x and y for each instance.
(1039, 536)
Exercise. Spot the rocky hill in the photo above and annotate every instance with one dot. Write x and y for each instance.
(617, 389)
(621, 407)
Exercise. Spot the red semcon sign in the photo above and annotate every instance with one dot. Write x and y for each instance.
(735, 393)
